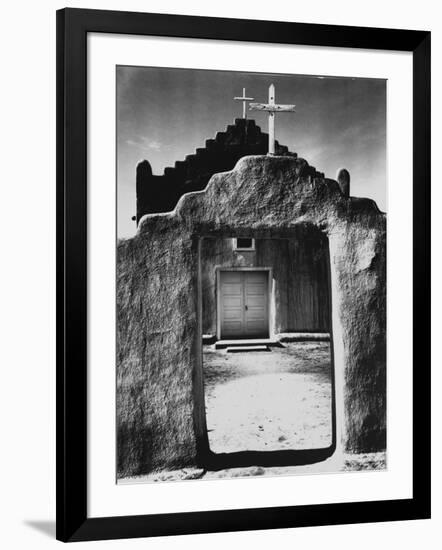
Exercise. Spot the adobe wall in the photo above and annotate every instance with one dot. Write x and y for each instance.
(300, 279)
(160, 401)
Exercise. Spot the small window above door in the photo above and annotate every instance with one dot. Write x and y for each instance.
(243, 244)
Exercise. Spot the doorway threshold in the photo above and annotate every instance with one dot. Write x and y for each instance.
(221, 344)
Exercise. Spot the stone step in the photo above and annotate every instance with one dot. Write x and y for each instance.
(220, 137)
(169, 172)
(242, 349)
(247, 343)
(190, 159)
(281, 149)
(180, 167)
(304, 337)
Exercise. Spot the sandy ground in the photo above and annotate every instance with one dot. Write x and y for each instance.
(345, 463)
(275, 400)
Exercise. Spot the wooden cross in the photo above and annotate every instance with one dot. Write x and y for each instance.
(244, 100)
(272, 108)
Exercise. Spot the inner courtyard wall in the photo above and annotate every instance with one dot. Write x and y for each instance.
(300, 279)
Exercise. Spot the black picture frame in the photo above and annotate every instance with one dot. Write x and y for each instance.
(73, 25)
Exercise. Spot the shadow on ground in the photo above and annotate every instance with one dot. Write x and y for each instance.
(244, 459)
(47, 527)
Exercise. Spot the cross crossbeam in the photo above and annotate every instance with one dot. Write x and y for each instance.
(244, 100)
(272, 108)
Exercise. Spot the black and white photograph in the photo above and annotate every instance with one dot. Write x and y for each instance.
(251, 274)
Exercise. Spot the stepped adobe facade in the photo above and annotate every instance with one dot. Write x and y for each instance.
(161, 193)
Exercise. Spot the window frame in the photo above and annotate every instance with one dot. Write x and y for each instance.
(241, 248)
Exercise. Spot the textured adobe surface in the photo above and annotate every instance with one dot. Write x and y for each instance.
(160, 402)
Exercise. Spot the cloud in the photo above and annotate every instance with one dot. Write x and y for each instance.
(145, 144)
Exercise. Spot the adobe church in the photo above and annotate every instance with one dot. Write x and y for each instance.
(298, 266)
(234, 243)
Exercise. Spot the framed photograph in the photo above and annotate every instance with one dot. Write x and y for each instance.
(243, 303)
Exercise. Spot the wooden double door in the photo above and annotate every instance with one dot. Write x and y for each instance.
(244, 304)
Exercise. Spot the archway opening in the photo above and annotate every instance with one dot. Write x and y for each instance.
(267, 348)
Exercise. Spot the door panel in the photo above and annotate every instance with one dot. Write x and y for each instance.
(256, 298)
(232, 304)
(244, 304)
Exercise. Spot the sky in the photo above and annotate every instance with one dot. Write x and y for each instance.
(164, 114)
